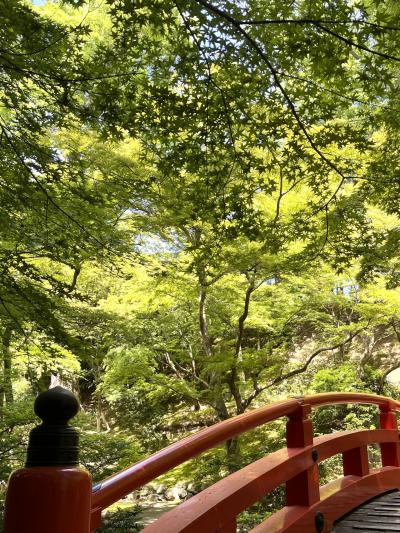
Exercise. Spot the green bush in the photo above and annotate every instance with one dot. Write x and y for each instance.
(121, 521)
(16, 422)
(104, 454)
(261, 510)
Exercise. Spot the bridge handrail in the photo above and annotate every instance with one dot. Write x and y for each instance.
(144, 471)
(335, 398)
(237, 492)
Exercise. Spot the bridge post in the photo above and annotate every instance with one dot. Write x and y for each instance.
(302, 489)
(355, 462)
(389, 450)
(52, 494)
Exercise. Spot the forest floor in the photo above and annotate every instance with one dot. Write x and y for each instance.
(153, 510)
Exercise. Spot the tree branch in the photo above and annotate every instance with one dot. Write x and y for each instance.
(303, 368)
(349, 42)
(222, 14)
(262, 22)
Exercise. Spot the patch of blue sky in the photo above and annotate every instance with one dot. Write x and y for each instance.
(153, 245)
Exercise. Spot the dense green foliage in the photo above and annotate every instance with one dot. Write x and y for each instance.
(121, 521)
(199, 213)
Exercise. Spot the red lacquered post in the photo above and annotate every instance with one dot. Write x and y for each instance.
(302, 489)
(52, 494)
(355, 462)
(389, 450)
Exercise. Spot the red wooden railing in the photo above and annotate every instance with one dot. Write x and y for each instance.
(53, 495)
(309, 507)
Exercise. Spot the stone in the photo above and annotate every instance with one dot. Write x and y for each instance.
(146, 490)
(169, 495)
(160, 489)
(191, 488)
(179, 493)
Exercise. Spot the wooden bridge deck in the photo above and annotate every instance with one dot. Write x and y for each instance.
(381, 514)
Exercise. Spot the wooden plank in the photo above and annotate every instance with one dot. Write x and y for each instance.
(386, 507)
(374, 519)
(375, 527)
(376, 514)
(380, 515)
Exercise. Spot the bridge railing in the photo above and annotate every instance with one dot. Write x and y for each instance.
(309, 507)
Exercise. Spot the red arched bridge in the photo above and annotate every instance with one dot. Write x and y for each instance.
(309, 507)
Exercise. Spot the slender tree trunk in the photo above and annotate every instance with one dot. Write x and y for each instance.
(214, 380)
(101, 420)
(1, 392)
(7, 366)
(98, 414)
(232, 446)
(196, 406)
(237, 377)
(204, 333)
(105, 421)
(233, 455)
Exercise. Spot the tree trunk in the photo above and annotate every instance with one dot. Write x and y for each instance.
(1, 393)
(204, 333)
(237, 377)
(233, 455)
(213, 378)
(232, 446)
(233, 458)
(98, 414)
(7, 366)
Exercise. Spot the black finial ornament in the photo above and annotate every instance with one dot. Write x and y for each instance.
(54, 442)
